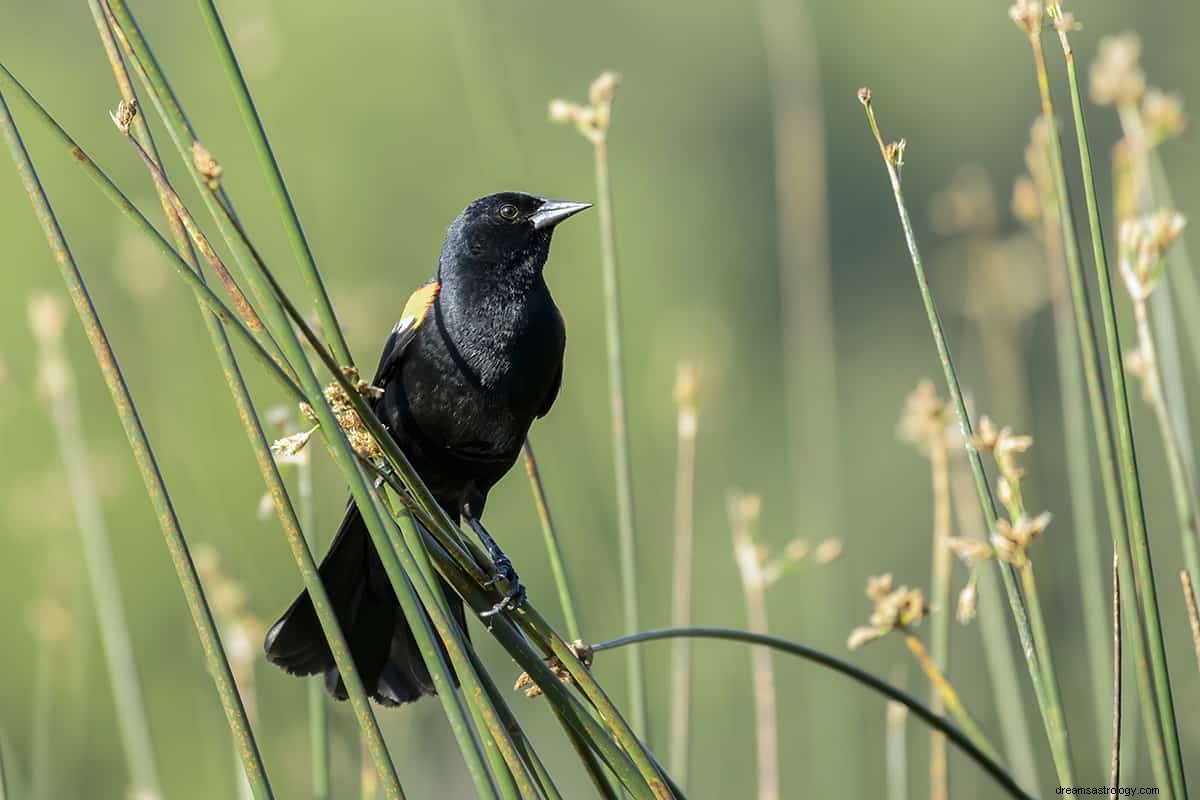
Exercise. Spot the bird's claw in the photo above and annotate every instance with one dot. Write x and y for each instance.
(516, 592)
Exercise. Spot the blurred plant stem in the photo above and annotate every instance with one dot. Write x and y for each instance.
(318, 705)
(954, 735)
(809, 356)
(58, 386)
(949, 696)
(896, 751)
(1134, 511)
(553, 549)
(743, 511)
(998, 651)
(4, 771)
(1101, 414)
(893, 160)
(939, 468)
(687, 421)
(218, 664)
(1115, 758)
(42, 711)
(1189, 597)
(287, 207)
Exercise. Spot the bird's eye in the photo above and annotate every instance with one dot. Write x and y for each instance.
(508, 211)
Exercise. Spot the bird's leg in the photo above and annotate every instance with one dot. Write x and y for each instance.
(504, 569)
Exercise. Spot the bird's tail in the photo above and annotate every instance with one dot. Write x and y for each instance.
(381, 642)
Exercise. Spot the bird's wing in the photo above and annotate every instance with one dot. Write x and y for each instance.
(416, 310)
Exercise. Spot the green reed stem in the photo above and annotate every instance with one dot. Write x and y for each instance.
(218, 664)
(287, 208)
(1135, 513)
(553, 549)
(623, 462)
(1056, 734)
(4, 782)
(41, 740)
(914, 705)
(128, 701)
(1079, 473)
(939, 469)
(1101, 416)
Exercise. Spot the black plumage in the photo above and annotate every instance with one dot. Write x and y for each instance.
(476, 357)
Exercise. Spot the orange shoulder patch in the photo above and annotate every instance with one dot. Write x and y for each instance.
(420, 301)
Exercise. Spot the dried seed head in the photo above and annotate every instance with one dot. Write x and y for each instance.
(564, 111)
(1144, 243)
(206, 165)
(1163, 116)
(894, 152)
(924, 418)
(986, 435)
(1065, 22)
(1027, 15)
(581, 650)
(47, 317)
(748, 507)
(864, 96)
(1027, 202)
(828, 551)
(290, 449)
(879, 586)
(796, 550)
(971, 551)
(603, 90)
(123, 116)
(863, 635)
(1116, 76)
(967, 603)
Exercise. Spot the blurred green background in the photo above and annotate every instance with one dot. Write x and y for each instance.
(387, 119)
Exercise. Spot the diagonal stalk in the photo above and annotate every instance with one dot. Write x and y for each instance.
(553, 549)
(218, 664)
(1055, 732)
(287, 208)
(1134, 511)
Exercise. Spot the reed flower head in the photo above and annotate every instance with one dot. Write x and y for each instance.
(1027, 15)
(206, 165)
(1144, 243)
(1011, 540)
(894, 608)
(123, 117)
(591, 120)
(1162, 116)
(1116, 75)
(925, 416)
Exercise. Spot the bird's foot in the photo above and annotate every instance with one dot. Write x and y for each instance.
(515, 597)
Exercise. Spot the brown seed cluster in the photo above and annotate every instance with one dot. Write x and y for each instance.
(206, 165)
(343, 410)
(894, 608)
(592, 119)
(581, 650)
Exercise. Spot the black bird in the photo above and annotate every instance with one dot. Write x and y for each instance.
(476, 357)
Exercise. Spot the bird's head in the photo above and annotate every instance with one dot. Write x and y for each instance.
(505, 232)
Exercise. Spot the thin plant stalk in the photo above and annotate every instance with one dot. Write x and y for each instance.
(754, 585)
(287, 207)
(914, 705)
(1087, 531)
(1087, 339)
(939, 467)
(41, 739)
(998, 651)
(218, 664)
(950, 697)
(1135, 513)
(4, 782)
(368, 778)
(1189, 597)
(896, 750)
(58, 382)
(622, 460)
(558, 565)
(1115, 761)
(1051, 717)
(687, 422)
(318, 705)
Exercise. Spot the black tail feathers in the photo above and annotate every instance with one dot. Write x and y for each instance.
(381, 642)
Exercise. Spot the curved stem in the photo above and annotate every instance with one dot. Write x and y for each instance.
(953, 734)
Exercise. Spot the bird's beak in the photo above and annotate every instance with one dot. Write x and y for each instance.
(553, 212)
